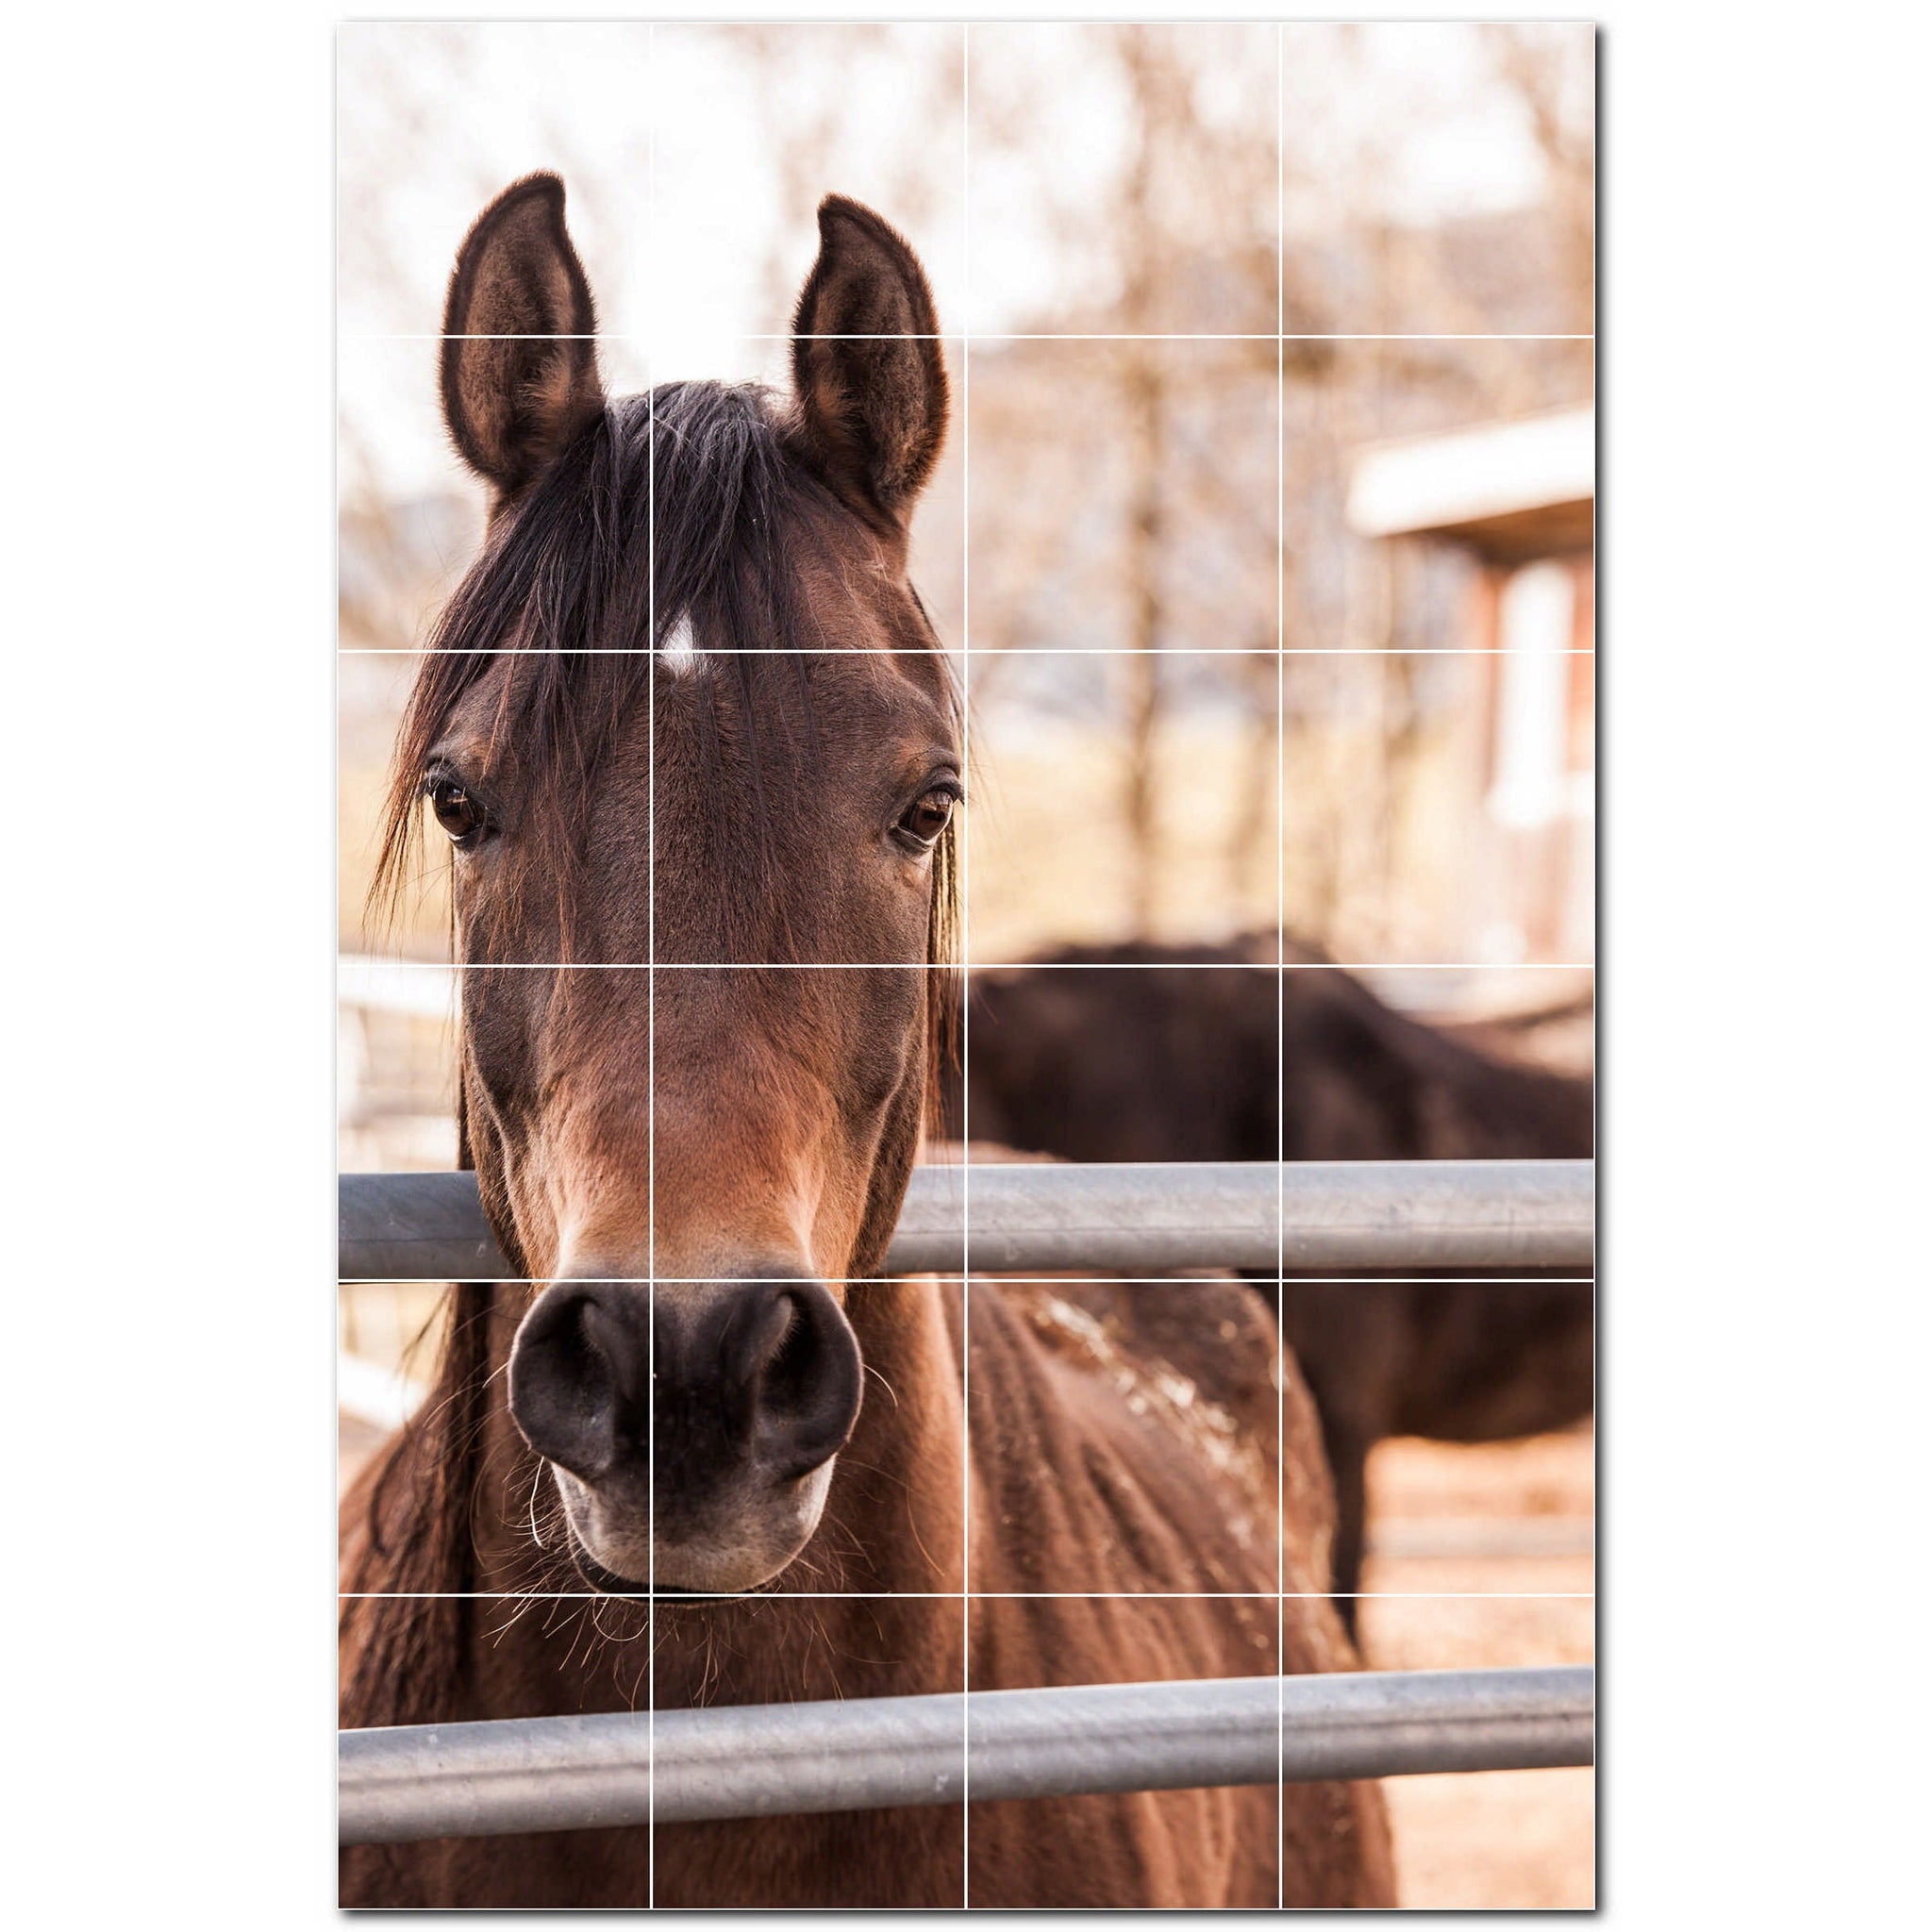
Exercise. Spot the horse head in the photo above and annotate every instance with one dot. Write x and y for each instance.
(690, 740)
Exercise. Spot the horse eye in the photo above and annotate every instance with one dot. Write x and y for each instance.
(456, 812)
(928, 816)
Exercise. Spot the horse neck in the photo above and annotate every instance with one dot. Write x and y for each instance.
(897, 1500)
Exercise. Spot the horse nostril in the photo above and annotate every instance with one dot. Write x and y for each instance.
(788, 1376)
(579, 1377)
(761, 1379)
(805, 1383)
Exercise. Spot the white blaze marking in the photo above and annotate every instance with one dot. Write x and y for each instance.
(680, 649)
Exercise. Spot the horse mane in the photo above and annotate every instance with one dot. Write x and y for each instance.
(416, 1552)
(684, 505)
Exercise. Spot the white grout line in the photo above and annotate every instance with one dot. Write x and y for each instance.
(1280, 940)
(651, 999)
(990, 652)
(971, 336)
(947, 1596)
(352, 963)
(1209, 1278)
(965, 959)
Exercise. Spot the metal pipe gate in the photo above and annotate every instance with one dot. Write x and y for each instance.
(1306, 1217)
(570, 1773)
(749, 1761)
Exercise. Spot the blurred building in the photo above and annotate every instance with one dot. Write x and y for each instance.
(1520, 499)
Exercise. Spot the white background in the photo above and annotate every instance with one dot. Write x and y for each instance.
(169, 631)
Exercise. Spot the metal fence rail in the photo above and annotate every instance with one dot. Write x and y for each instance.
(1391, 1216)
(568, 1773)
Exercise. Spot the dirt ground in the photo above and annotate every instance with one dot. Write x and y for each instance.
(1513, 1519)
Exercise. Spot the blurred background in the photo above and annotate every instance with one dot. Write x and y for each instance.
(1264, 538)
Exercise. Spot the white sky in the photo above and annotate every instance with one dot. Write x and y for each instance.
(435, 118)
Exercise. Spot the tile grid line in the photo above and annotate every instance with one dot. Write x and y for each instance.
(1537, 1279)
(965, 1004)
(1099, 653)
(651, 988)
(355, 963)
(868, 1597)
(968, 336)
(1280, 936)
(1596, 1027)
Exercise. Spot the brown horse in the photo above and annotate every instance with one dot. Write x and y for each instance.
(692, 743)
(1143, 1052)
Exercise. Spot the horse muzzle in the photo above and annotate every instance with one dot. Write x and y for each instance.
(691, 1426)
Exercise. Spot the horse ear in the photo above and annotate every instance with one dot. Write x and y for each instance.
(518, 352)
(866, 363)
